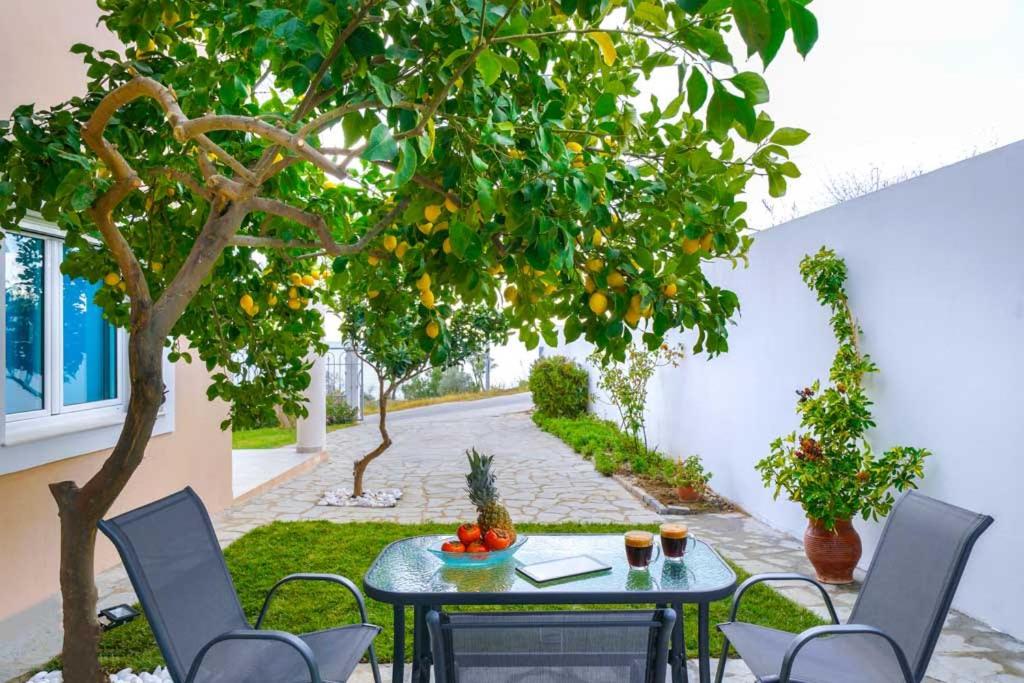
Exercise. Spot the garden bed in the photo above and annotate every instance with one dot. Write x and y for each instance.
(260, 557)
(637, 468)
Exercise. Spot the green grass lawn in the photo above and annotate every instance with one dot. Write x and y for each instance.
(268, 553)
(271, 437)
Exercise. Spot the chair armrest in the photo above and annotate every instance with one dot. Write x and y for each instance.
(330, 578)
(761, 578)
(840, 630)
(294, 642)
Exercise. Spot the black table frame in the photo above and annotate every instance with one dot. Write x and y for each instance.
(424, 602)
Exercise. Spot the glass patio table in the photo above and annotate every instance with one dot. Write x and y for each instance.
(406, 574)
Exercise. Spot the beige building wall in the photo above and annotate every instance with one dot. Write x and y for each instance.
(197, 453)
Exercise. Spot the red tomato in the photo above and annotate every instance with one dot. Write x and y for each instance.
(453, 545)
(469, 533)
(476, 547)
(497, 539)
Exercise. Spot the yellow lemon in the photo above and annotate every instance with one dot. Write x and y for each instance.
(511, 294)
(251, 312)
(634, 303)
(647, 311)
(598, 303)
(271, 299)
(458, 83)
(293, 293)
(245, 302)
(595, 265)
(373, 259)
(578, 163)
(517, 153)
(443, 225)
(211, 156)
(278, 157)
(401, 249)
(426, 228)
(294, 304)
(295, 279)
(122, 286)
(156, 266)
(495, 269)
(373, 293)
(550, 289)
(614, 216)
(589, 284)
(308, 280)
(632, 317)
(707, 241)
(574, 147)
(616, 280)
(450, 205)
(423, 282)
(330, 184)
(427, 298)
(691, 246)
(446, 246)
(111, 279)
(598, 238)
(670, 289)
(431, 212)
(390, 242)
(433, 330)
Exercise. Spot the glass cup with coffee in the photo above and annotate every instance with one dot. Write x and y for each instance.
(640, 549)
(674, 537)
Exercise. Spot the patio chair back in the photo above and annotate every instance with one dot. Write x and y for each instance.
(551, 647)
(177, 569)
(915, 572)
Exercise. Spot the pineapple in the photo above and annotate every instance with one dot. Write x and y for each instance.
(491, 514)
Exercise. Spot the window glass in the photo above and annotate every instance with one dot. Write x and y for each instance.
(23, 323)
(89, 344)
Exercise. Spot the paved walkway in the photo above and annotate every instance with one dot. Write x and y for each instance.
(541, 479)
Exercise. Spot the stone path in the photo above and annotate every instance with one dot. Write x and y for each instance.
(542, 480)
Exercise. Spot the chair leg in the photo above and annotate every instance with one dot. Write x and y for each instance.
(722, 660)
(374, 665)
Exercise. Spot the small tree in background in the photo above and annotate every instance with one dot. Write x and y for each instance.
(626, 384)
(387, 333)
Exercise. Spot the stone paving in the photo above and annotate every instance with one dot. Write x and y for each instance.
(542, 480)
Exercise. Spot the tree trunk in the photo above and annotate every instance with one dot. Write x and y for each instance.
(81, 508)
(359, 468)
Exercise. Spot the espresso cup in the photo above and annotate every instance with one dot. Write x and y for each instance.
(640, 549)
(674, 538)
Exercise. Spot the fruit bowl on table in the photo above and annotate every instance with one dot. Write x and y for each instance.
(485, 559)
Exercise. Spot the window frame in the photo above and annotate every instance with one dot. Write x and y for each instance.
(53, 326)
(41, 437)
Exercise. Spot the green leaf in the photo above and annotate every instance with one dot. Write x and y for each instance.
(489, 66)
(789, 136)
(381, 145)
(406, 164)
(365, 43)
(465, 243)
(776, 183)
(528, 46)
(752, 85)
(779, 25)
(582, 195)
(789, 169)
(754, 23)
(805, 27)
(605, 105)
(649, 13)
(696, 90)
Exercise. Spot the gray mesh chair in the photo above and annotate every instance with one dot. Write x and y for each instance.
(550, 647)
(177, 569)
(898, 615)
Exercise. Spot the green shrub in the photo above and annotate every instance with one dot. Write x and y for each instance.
(606, 464)
(559, 386)
(339, 412)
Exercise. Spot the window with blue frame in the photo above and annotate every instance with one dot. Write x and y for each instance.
(47, 313)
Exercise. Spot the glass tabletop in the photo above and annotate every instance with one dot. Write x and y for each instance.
(407, 573)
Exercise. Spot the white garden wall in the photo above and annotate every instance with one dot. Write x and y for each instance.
(937, 281)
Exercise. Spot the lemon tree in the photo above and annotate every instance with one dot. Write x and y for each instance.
(497, 146)
(402, 332)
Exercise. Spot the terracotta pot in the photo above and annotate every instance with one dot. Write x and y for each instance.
(834, 553)
(688, 494)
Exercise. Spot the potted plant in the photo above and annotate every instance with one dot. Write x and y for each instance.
(828, 465)
(689, 478)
